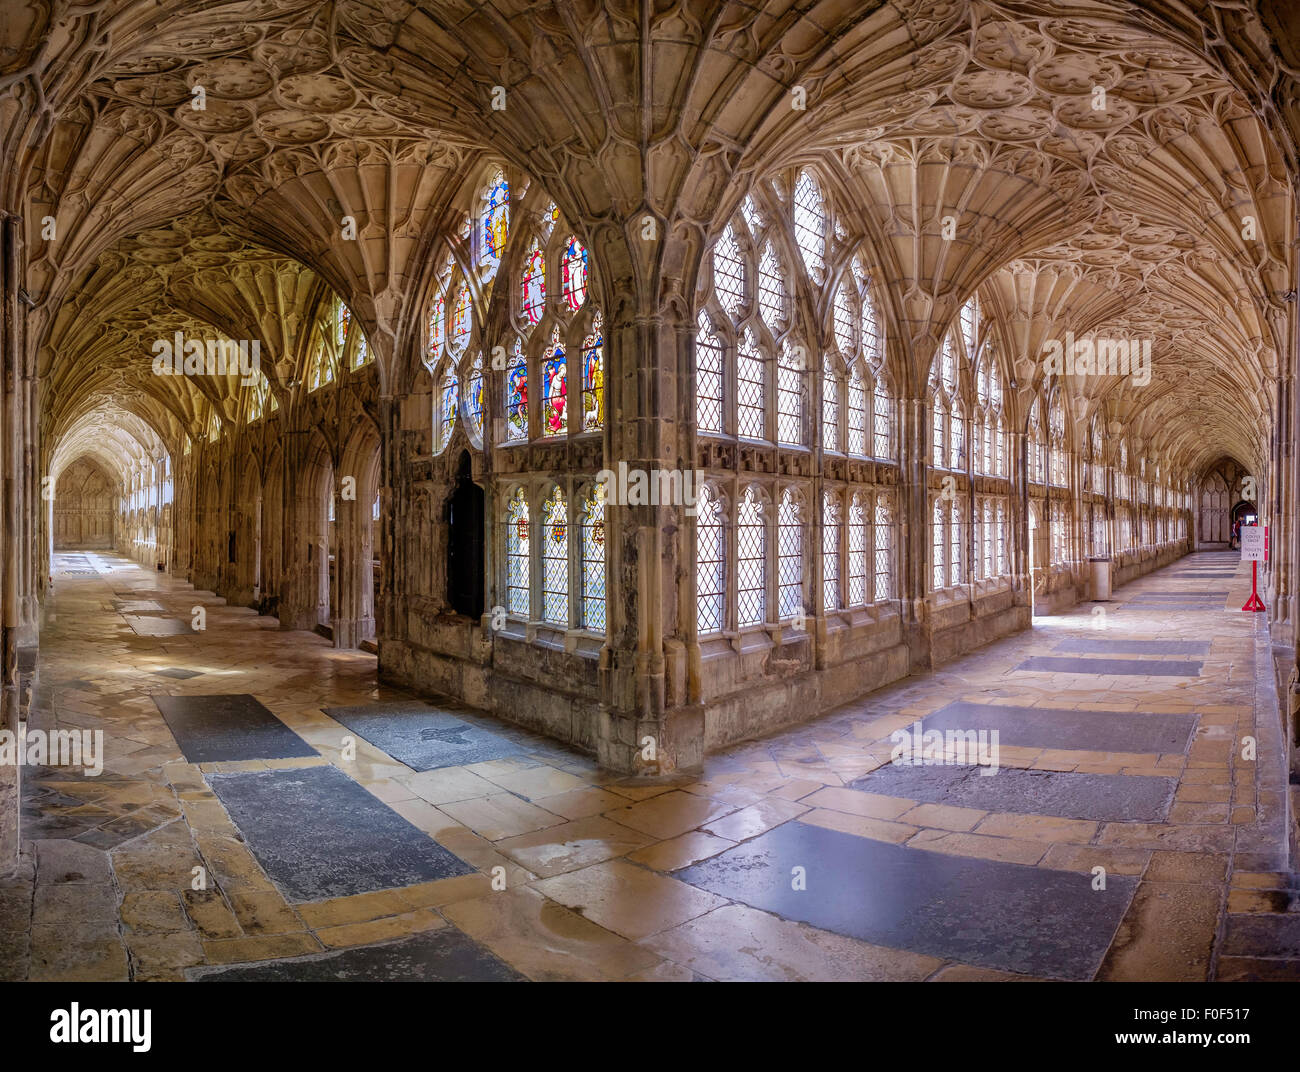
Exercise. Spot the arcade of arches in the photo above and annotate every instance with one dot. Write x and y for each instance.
(646, 377)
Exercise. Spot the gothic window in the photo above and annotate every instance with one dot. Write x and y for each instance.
(474, 397)
(859, 541)
(750, 388)
(830, 405)
(593, 560)
(462, 317)
(789, 551)
(728, 272)
(810, 223)
(555, 559)
(517, 555)
(789, 395)
(883, 534)
(710, 563)
(573, 274)
(448, 409)
(533, 286)
(517, 394)
(751, 559)
(708, 376)
(593, 376)
(494, 223)
(830, 551)
(554, 388)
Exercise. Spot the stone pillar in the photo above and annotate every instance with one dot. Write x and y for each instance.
(11, 352)
(914, 512)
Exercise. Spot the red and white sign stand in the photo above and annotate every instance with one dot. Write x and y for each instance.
(1254, 549)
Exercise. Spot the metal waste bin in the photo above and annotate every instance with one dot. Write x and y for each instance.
(1100, 577)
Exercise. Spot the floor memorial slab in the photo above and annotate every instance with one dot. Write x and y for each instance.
(318, 834)
(423, 737)
(1104, 797)
(947, 906)
(1126, 646)
(1064, 664)
(215, 728)
(146, 626)
(1046, 727)
(442, 956)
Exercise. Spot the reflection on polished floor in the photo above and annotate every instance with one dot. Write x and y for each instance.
(267, 812)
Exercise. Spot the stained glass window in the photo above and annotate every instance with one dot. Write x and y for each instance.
(593, 376)
(437, 323)
(830, 551)
(810, 222)
(574, 274)
(517, 555)
(461, 318)
(789, 550)
(554, 387)
(859, 519)
(517, 394)
(593, 560)
(342, 318)
(448, 407)
(728, 272)
(555, 559)
(751, 560)
(988, 554)
(750, 389)
(708, 376)
(495, 222)
(533, 286)
(362, 353)
(474, 396)
(710, 564)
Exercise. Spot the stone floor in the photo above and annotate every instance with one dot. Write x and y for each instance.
(348, 831)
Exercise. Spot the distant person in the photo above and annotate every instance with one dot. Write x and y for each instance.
(1236, 534)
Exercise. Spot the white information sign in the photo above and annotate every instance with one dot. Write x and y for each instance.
(1252, 543)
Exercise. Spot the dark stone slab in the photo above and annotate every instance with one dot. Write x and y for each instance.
(422, 737)
(442, 956)
(1089, 646)
(997, 915)
(179, 673)
(145, 626)
(1104, 797)
(1064, 664)
(318, 834)
(137, 606)
(1257, 970)
(214, 728)
(1274, 934)
(1047, 727)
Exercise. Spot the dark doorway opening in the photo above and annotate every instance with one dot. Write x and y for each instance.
(465, 543)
